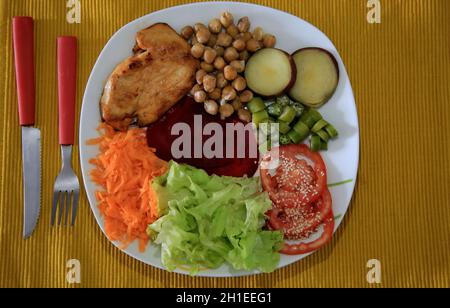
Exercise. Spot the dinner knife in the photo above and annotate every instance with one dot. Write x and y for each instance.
(23, 41)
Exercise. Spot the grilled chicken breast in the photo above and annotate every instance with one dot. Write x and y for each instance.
(149, 83)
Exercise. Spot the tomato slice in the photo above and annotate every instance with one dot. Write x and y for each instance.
(301, 200)
(294, 223)
(299, 179)
(302, 248)
(298, 223)
(293, 168)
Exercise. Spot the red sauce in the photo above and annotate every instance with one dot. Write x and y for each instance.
(159, 137)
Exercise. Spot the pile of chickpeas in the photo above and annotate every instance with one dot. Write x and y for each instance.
(224, 48)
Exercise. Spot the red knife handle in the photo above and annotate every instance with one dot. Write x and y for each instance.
(23, 38)
(67, 83)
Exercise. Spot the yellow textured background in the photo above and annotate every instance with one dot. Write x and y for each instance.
(400, 212)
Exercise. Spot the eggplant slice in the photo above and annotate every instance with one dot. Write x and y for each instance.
(317, 76)
(270, 72)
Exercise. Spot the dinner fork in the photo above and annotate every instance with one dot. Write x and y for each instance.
(66, 190)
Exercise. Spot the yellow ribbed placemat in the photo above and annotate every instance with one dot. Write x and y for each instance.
(400, 212)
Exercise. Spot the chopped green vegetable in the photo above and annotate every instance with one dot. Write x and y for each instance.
(311, 117)
(270, 102)
(288, 115)
(302, 129)
(284, 139)
(284, 127)
(294, 136)
(260, 117)
(256, 105)
(308, 121)
(323, 135)
(332, 132)
(268, 126)
(285, 111)
(299, 108)
(283, 100)
(275, 110)
(211, 220)
(319, 125)
(315, 143)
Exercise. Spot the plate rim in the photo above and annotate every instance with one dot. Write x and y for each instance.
(85, 175)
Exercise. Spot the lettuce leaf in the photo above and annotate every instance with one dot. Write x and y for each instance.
(209, 220)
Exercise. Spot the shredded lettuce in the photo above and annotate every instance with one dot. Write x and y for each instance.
(209, 220)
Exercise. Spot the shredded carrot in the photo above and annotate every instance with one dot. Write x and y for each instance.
(124, 169)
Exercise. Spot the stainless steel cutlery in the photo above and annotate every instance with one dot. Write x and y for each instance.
(67, 188)
(23, 37)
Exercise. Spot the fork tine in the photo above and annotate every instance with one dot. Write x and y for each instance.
(62, 204)
(55, 206)
(75, 206)
(68, 207)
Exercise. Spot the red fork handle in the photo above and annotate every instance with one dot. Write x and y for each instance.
(23, 41)
(67, 83)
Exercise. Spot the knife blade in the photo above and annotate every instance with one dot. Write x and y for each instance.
(23, 38)
(31, 164)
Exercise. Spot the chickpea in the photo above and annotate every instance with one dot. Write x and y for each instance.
(246, 96)
(243, 24)
(230, 72)
(233, 31)
(219, 63)
(221, 81)
(226, 19)
(209, 83)
(224, 39)
(246, 36)
(211, 107)
(239, 84)
(199, 26)
(187, 32)
(199, 76)
(203, 36)
(244, 55)
(244, 115)
(220, 50)
(197, 50)
(236, 103)
(258, 34)
(212, 40)
(215, 26)
(253, 45)
(194, 40)
(209, 68)
(200, 96)
(231, 54)
(239, 65)
(239, 44)
(209, 55)
(195, 88)
(229, 93)
(269, 40)
(216, 94)
(226, 110)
